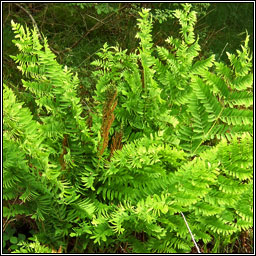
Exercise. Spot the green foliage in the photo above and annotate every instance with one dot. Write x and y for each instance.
(100, 8)
(168, 132)
(11, 239)
(204, 95)
(32, 247)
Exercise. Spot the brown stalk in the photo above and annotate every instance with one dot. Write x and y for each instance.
(64, 152)
(108, 118)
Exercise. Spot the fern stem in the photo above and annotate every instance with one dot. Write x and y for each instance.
(194, 241)
(222, 51)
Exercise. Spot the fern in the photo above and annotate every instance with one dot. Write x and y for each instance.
(168, 133)
(33, 247)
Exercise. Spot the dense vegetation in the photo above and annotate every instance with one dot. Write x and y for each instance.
(114, 148)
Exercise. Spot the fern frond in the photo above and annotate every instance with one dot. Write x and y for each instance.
(237, 117)
(200, 66)
(242, 98)
(211, 104)
(85, 206)
(242, 83)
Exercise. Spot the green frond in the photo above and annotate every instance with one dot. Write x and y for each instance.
(241, 62)
(243, 99)
(85, 206)
(200, 66)
(13, 210)
(211, 104)
(216, 225)
(242, 83)
(206, 209)
(230, 187)
(224, 71)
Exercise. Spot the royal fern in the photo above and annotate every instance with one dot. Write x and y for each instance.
(169, 135)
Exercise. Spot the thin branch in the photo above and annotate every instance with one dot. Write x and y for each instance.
(42, 23)
(194, 241)
(97, 25)
(32, 18)
(35, 25)
(9, 11)
(206, 14)
(94, 18)
(6, 223)
(87, 58)
(223, 51)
